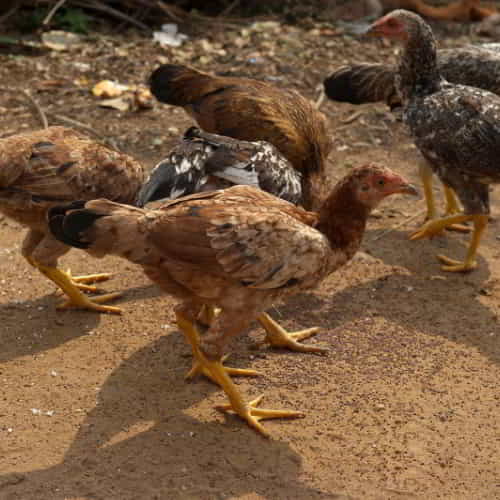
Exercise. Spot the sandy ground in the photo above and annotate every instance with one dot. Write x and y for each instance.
(406, 403)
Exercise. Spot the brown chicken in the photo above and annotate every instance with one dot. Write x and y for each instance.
(253, 110)
(239, 249)
(48, 167)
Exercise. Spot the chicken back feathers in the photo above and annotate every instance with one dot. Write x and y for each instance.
(203, 161)
(473, 65)
(40, 169)
(251, 110)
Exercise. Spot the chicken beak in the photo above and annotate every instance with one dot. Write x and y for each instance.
(407, 189)
(373, 30)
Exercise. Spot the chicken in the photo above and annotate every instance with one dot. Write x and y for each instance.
(459, 10)
(238, 249)
(477, 66)
(41, 169)
(465, 160)
(203, 162)
(252, 110)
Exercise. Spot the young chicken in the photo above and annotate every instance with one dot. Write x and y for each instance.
(41, 169)
(204, 162)
(474, 65)
(466, 160)
(238, 249)
(252, 110)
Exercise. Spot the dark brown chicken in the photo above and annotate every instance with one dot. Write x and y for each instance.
(44, 168)
(477, 66)
(253, 110)
(455, 127)
(239, 249)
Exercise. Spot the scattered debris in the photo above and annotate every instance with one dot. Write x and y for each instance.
(61, 40)
(169, 35)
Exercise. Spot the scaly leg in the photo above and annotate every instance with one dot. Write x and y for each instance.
(75, 297)
(80, 282)
(247, 411)
(425, 173)
(206, 316)
(453, 208)
(277, 336)
(454, 266)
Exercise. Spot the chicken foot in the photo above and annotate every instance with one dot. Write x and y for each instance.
(454, 266)
(75, 297)
(277, 336)
(433, 227)
(452, 205)
(204, 318)
(247, 411)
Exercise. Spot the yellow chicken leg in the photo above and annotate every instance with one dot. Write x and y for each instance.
(247, 411)
(425, 173)
(451, 265)
(206, 315)
(452, 205)
(75, 297)
(453, 208)
(277, 336)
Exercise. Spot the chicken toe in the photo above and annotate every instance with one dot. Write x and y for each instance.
(193, 337)
(199, 369)
(252, 414)
(277, 336)
(469, 264)
(75, 297)
(435, 226)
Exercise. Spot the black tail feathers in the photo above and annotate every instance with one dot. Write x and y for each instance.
(67, 222)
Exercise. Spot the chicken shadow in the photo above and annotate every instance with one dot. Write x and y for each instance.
(428, 300)
(34, 326)
(143, 440)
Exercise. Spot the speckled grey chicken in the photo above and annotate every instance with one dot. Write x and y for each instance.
(41, 169)
(239, 249)
(474, 65)
(204, 162)
(455, 127)
(253, 110)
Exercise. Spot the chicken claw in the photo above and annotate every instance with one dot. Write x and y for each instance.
(277, 336)
(75, 297)
(435, 226)
(252, 414)
(457, 266)
(207, 314)
(84, 302)
(197, 368)
(218, 373)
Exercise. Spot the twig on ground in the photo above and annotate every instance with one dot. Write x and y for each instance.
(354, 116)
(169, 11)
(52, 11)
(321, 98)
(75, 123)
(96, 5)
(39, 110)
(229, 8)
(11, 11)
(401, 224)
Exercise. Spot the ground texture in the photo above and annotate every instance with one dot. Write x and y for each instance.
(406, 403)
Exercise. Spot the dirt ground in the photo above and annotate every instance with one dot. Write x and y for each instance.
(406, 403)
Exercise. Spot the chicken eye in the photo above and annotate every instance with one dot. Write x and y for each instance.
(381, 182)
